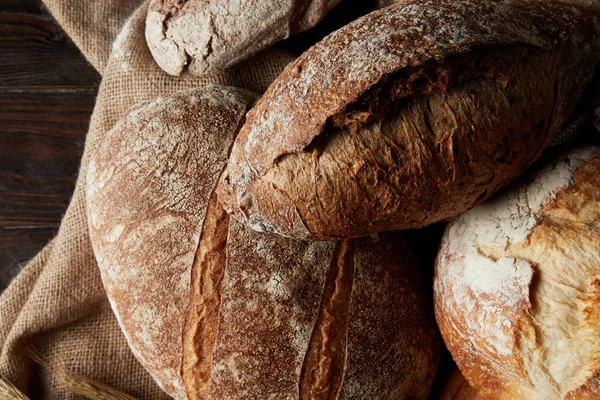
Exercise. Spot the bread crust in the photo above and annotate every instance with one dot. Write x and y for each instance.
(516, 285)
(265, 315)
(414, 123)
(321, 320)
(145, 214)
(206, 36)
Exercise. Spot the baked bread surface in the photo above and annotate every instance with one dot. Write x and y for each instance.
(517, 285)
(408, 116)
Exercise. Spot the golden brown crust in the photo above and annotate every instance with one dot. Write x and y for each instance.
(270, 304)
(446, 140)
(305, 320)
(148, 188)
(325, 360)
(516, 285)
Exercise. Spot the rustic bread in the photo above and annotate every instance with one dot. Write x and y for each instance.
(205, 36)
(269, 317)
(307, 320)
(408, 116)
(144, 212)
(517, 285)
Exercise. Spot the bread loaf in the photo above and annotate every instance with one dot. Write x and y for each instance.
(517, 285)
(308, 320)
(408, 116)
(266, 317)
(205, 36)
(144, 212)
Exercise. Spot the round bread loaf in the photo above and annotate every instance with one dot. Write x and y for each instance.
(205, 36)
(517, 285)
(215, 310)
(148, 188)
(409, 116)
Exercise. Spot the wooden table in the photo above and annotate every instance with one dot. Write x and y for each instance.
(47, 93)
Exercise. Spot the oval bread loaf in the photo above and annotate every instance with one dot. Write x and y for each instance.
(205, 36)
(517, 285)
(266, 317)
(408, 116)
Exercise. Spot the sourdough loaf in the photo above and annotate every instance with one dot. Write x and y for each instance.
(517, 285)
(408, 116)
(144, 210)
(266, 317)
(205, 36)
(307, 320)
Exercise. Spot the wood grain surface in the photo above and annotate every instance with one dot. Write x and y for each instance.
(47, 93)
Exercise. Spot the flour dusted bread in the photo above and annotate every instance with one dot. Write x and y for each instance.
(204, 36)
(517, 285)
(145, 213)
(308, 320)
(215, 310)
(409, 115)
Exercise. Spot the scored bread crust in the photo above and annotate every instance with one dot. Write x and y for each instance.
(314, 320)
(266, 317)
(360, 134)
(517, 285)
(206, 36)
(145, 214)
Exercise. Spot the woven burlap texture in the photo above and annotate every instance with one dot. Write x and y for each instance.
(57, 304)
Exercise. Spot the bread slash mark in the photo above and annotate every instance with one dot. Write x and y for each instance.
(201, 324)
(325, 361)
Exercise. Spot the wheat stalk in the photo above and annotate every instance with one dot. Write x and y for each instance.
(76, 383)
(8, 391)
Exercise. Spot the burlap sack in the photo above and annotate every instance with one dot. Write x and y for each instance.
(57, 304)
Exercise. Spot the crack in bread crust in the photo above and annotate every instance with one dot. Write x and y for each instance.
(516, 286)
(201, 325)
(323, 371)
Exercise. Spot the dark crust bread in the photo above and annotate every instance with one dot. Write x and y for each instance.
(265, 315)
(306, 163)
(207, 36)
(320, 320)
(145, 214)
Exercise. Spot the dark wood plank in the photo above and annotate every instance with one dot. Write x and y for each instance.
(23, 6)
(35, 51)
(17, 246)
(47, 94)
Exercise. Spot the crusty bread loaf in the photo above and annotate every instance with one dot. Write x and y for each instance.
(269, 317)
(408, 116)
(517, 285)
(205, 36)
(308, 320)
(145, 213)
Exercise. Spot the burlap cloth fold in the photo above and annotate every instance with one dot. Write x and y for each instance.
(57, 304)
